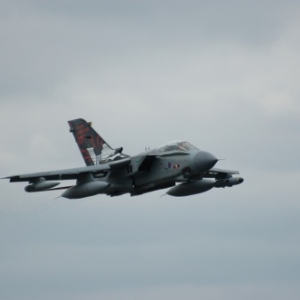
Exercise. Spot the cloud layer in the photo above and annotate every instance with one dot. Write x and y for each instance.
(223, 76)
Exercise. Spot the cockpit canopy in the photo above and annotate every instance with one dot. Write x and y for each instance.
(176, 146)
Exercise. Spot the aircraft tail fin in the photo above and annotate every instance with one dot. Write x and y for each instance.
(92, 146)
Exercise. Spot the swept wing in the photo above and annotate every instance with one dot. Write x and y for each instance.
(67, 174)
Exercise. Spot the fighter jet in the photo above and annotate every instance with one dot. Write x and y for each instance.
(177, 165)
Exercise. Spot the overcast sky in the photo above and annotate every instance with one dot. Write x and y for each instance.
(223, 75)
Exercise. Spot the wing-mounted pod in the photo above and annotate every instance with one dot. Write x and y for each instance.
(191, 188)
(229, 182)
(85, 186)
(40, 184)
(201, 186)
(85, 190)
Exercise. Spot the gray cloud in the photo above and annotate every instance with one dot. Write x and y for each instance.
(223, 76)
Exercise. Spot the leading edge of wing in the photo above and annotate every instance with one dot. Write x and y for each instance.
(217, 170)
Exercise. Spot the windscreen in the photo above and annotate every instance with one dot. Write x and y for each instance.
(177, 146)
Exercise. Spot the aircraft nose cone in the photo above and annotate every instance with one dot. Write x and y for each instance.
(204, 161)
